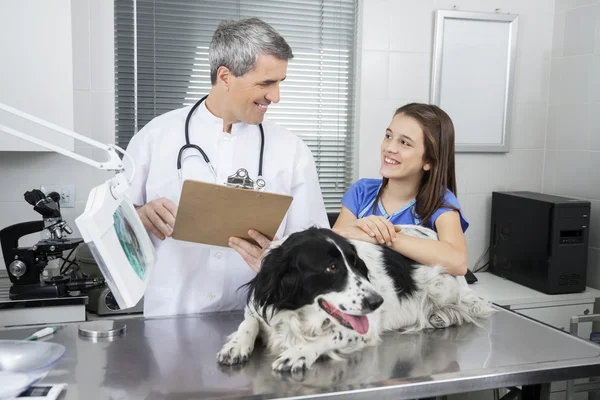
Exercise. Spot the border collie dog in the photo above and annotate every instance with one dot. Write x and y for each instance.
(321, 295)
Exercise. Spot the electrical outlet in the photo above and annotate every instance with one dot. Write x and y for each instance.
(67, 194)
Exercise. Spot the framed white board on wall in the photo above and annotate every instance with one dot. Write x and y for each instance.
(473, 76)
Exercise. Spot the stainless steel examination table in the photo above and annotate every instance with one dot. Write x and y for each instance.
(174, 358)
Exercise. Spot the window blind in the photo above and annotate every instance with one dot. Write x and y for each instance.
(161, 57)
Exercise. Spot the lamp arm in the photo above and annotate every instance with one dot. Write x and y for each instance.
(113, 163)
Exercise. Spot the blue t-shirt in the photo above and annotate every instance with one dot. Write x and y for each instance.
(361, 195)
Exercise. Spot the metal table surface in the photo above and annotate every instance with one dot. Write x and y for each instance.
(174, 358)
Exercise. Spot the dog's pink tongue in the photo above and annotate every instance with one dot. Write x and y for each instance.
(359, 324)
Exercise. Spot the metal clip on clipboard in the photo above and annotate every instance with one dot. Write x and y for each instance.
(241, 179)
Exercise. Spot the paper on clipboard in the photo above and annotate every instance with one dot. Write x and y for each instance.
(209, 213)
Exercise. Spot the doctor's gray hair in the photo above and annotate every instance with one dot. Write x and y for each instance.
(237, 45)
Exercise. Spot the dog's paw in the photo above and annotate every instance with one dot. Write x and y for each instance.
(234, 352)
(294, 360)
(438, 322)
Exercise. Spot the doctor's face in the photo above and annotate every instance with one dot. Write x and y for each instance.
(252, 93)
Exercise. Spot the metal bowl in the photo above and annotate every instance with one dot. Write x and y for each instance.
(23, 363)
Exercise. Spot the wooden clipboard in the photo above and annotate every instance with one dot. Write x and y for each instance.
(210, 214)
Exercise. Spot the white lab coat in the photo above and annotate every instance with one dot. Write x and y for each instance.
(189, 277)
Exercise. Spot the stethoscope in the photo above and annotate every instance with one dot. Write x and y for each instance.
(241, 177)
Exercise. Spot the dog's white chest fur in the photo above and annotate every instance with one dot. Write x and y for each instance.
(321, 295)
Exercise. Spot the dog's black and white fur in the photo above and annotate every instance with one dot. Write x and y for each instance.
(319, 294)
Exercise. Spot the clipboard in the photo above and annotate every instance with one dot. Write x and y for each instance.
(210, 213)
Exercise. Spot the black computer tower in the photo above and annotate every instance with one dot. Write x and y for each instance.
(540, 241)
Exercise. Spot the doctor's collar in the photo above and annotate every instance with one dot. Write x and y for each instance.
(205, 116)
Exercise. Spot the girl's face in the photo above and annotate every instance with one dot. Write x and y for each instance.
(403, 150)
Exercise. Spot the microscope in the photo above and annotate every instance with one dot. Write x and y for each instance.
(26, 265)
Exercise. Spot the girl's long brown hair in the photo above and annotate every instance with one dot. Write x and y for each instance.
(438, 132)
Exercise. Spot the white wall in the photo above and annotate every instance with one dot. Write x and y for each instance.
(36, 70)
(93, 115)
(573, 144)
(395, 64)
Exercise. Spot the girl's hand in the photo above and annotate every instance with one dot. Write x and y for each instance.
(379, 228)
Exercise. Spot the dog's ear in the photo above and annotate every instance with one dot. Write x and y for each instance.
(276, 284)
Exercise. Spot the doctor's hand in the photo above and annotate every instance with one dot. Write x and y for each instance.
(158, 217)
(378, 228)
(251, 253)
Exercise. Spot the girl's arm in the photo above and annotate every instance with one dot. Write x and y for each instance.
(344, 226)
(450, 250)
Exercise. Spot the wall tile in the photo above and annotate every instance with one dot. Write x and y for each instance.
(584, 3)
(409, 76)
(595, 85)
(529, 126)
(549, 172)
(532, 76)
(571, 171)
(558, 35)
(597, 40)
(570, 79)
(593, 180)
(462, 172)
(412, 25)
(562, 5)
(568, 127)
(48, 169)
(580, 28)
(103, 117)
(478, 211)
(376, 25)
(82, 113)
(535, 33)
(595, 126)
(517, 170)
(374, 75)
(102, 45)
(21, 174)
(80, 12)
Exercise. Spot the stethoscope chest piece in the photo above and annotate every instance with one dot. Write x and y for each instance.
(241, 179)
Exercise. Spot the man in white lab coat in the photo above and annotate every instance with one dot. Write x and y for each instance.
(248, 61)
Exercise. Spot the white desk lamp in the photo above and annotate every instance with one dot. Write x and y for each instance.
(110, 224)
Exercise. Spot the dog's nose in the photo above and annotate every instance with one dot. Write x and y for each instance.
(372, 301)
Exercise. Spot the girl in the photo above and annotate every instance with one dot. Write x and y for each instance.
(418, 187)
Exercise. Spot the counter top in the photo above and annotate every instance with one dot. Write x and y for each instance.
(508, 293)
(175, 358)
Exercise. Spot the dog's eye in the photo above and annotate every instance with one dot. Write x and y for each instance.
(332, 268)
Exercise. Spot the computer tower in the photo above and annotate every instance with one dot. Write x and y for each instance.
(540, 241)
